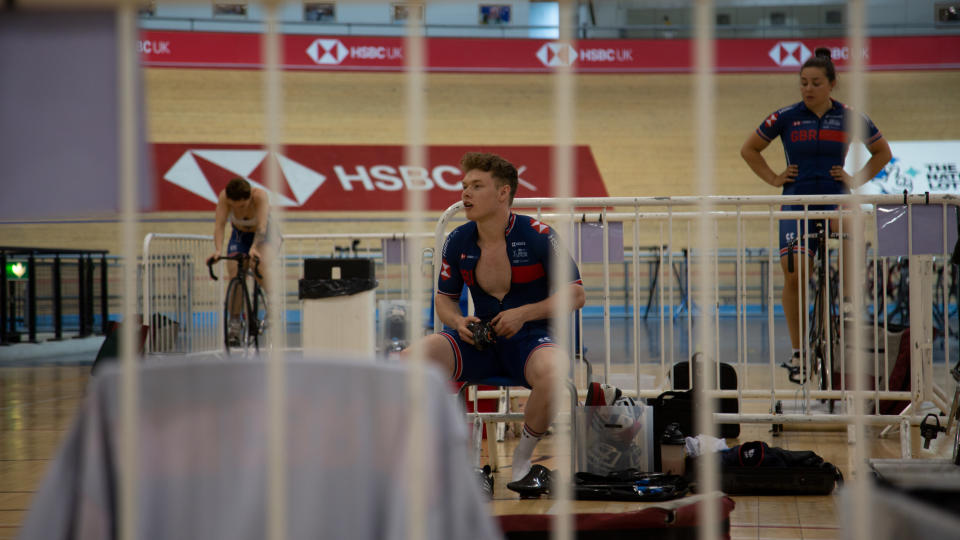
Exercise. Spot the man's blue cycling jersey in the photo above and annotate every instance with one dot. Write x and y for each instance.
(530, 247)
(814, 144)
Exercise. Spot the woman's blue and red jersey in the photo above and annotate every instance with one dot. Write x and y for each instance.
(815, 144)
(531, 245)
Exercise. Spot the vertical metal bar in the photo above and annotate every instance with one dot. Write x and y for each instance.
(276, 365)
(3, 297)
(636, 296)
(803, 305)
(741, 308)
(147, 273)
(946, 304)
(842, 262)
(704, 107)
(660, 306)
(886, 325)
(81, 296)
(563, 161)
(57, 299)
(715, 301)
(32, 298)
(669, 276)
(606, 292)
(876, 322)
(827, 314)
(774, 245)
(861, 515)
(414, 204)
(689, 298)
(88, 313)
(128, 136)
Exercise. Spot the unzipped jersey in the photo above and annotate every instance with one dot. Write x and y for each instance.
(530, 248)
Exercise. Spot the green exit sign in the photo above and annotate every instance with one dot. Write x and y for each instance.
(16, 270)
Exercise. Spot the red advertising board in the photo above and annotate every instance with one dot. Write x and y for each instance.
(359, 53)
(347, 177)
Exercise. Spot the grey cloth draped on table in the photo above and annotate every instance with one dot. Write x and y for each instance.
(203, 456)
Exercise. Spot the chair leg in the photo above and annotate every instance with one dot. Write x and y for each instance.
(503, 405)
(574, 402)
(515, 426)
(477, 442)
(492, 457)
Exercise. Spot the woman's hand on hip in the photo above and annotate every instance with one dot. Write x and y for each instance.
(787, 176)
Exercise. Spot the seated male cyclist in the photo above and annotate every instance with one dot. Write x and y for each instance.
(506, 260)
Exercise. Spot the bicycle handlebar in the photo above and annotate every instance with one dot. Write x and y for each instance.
(239, 257)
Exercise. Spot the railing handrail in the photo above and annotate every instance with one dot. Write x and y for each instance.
(509, 30)
(26, 250)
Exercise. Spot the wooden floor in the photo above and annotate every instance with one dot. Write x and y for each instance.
(37, 405)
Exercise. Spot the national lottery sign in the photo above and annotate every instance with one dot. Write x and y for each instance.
(916, 166)
(347, 177)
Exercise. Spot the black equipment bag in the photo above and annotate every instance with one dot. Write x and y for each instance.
(754, 468)
(816, 480)
(629, 485)
(728, 381)
(677, 406)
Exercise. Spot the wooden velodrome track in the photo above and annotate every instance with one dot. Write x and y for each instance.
(639, 128)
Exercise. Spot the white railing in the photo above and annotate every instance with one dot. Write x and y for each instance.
(180, 303)
(672, 218)
(184, 307)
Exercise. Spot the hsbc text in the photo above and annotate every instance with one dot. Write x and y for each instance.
(147, 46)
(387, 178)
(605, 55)
(376, 53)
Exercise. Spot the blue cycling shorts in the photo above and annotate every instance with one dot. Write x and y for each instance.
(789, 230)
(506, 358)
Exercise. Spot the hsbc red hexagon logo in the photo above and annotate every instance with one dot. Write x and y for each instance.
(789, 53)
(556, 54)
(327, 51)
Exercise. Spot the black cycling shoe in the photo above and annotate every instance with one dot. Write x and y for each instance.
(486, 480)
(535, 483)
(793, 373)
(793, 370)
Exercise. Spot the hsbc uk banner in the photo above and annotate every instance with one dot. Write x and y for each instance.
(347, 177)
(359, 53)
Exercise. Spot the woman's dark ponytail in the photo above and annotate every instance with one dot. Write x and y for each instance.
(821, 58)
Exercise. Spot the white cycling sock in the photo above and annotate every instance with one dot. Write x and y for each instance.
(523, 452)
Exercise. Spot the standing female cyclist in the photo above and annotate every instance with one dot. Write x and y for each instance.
(815, 141)
(248, 211)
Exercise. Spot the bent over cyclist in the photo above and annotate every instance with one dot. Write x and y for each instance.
(815, 138)
(247, 209)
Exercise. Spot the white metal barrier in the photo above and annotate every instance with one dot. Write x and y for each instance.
(180, 303)
(184, 307)
(671, 219)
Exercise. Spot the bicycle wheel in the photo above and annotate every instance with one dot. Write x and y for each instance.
(820, 344)
(258, 331)
(236, 329)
